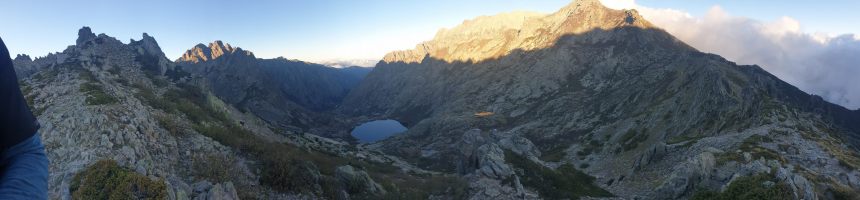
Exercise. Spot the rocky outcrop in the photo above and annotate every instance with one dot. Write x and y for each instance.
(24, 66)
(207, 191)
(656, 152)
(686, 176)
(357, 181)
(84, 34)
(491, 162)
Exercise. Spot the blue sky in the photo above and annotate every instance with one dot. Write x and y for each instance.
(327, 29)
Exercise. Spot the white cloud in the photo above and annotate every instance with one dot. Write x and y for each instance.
(619, 4)
(818, 63)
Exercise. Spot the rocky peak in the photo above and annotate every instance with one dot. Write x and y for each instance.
(149, 41)
(584, 5)
(219, 49)
(149, 45)
(84, 34)
(591, 14)
(23, 57)
(216, 49)
(495, 36)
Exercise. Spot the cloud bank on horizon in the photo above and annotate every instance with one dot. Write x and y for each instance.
(820, 64)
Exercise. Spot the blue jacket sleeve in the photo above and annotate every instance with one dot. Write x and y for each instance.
(24, 172)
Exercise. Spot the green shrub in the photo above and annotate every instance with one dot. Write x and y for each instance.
(563, 183)
(115, 70)
(684, 138)
(85, 74)
(553, 156)
(841, 192)
(96, 94)
(214, 167)
(168, 124)
(846, 165)
(751, 188)
(631, 139)
(107, 180)
(402, 186)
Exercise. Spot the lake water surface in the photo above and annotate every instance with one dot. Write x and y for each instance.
(377, 130)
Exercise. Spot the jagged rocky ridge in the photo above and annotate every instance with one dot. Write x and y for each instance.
(604, 90)
(84, 101)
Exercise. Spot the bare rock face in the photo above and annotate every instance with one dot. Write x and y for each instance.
(216, 49)
(482, 156)
(685, 177)
(357, 181)
(491, 162)
(23, 58)
(495, 36)
(23, 66)
(207, 191)
(84, 35)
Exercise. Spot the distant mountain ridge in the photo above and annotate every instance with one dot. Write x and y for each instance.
(203, 53)
(344, 63)
(278, 90)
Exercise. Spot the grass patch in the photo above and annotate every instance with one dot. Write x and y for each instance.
(590, 147)
(46, 75)
(752, 146)
(187, 100)
(169, 124)
(401, 186)
(848, 158)
(553, 156)
(632, 138)
(750, 187)
(563, 183)
(96, 94)
(553, 148)
(841, 192)
(105, 179)
(214, 167)
(683, 138)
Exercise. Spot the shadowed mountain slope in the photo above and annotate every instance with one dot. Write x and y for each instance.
(606, 91)
(290, 93)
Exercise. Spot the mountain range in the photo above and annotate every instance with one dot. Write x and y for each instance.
(586, 102)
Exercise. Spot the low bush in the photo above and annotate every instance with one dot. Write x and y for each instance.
(750, 187)
(169, 124)
(563, 183)
(215, 168)
(631, 139)
(107, 180)
(96, 94)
